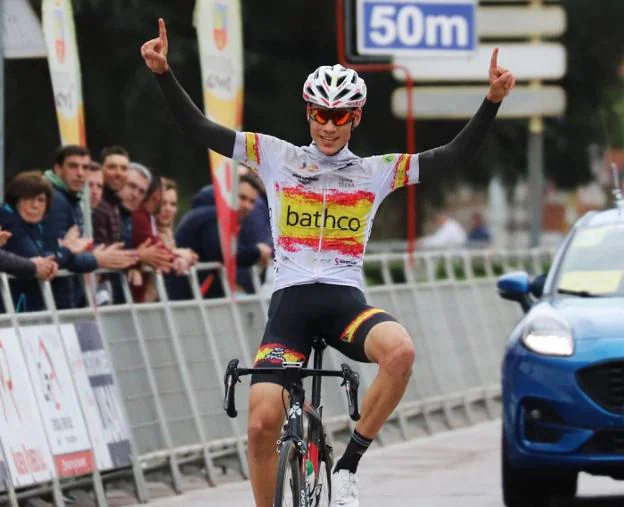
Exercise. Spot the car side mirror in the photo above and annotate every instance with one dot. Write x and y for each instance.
(536, 287)
(515, 287)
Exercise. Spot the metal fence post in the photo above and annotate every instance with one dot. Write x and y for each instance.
(219, 366)
(186, 378)
(176, 476)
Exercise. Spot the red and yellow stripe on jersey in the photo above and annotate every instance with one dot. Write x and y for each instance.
(349, 333)
(339, 221)
(401, 171)
(276, 353)
(252, 149)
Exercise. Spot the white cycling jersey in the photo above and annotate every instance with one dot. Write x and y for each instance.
(321, 207)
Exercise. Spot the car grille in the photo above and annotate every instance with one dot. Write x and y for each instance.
(605, 442)
(604, 383)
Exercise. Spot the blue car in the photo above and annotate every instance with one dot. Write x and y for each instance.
(563, 371)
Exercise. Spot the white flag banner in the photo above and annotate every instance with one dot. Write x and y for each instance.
(60, 37)
(219, 35)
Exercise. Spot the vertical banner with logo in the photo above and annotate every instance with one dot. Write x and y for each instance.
(86, 339)
(57, 400)
(60, 37)
(23, 438)
(219, 35)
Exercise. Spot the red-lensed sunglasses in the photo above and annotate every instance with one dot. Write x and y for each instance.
(338, 116)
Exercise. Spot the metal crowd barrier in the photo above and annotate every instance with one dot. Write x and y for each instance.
(169, 358)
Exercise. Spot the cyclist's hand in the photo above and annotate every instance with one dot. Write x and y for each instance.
(154, 51)
(501, 80)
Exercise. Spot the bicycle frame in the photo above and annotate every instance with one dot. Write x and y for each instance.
(293, 375)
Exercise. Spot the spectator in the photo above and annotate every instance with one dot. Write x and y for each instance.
(167, 214)
(131, 196)
(479, 233)
(23, 267)
(165, 220)
(65, 214)
(449, 234)
(198, 230)
(95, 180)
(145, 237)
(255, 228)
(106, 216)
(28, 199)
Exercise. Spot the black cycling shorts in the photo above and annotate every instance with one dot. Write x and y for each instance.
(299, 313)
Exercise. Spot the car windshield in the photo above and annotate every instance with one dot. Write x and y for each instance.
(594, 262)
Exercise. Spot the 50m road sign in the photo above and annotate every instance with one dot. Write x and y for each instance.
(416, 27)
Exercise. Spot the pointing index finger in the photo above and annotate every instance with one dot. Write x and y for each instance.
(494, 59)
(162, 29)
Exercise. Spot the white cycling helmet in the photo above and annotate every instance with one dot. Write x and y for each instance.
(335, 87)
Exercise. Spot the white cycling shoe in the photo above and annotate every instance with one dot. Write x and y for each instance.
(344, 489)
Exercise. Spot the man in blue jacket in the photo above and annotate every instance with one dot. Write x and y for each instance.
(199, 231)
(68, 179)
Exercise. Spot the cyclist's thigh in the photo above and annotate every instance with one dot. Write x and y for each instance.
(354, 319)
(287, 335)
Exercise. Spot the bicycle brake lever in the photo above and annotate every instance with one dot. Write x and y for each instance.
(351, 381)
(230, 380)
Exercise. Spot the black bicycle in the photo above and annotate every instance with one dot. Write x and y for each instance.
(305, 455)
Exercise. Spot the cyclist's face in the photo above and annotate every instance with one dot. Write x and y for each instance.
(331, 138)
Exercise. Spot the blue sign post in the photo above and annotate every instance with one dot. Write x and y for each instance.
(416, 27)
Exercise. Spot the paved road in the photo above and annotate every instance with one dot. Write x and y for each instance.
(459, 468)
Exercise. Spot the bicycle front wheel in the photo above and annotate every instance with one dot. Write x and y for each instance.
(288, 490)
(321, 496)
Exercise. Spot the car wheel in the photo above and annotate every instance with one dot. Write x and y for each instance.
(528, 488)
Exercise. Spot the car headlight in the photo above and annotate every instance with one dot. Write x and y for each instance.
(548, 333)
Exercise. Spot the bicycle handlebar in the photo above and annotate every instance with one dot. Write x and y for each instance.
(351, 383)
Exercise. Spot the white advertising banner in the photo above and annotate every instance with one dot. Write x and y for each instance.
(100, 372)
(86, 396)
(57, 400)
(23, 438)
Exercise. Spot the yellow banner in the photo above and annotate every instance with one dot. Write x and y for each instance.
(60, 37)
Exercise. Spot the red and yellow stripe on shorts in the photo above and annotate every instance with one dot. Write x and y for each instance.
(349, 333)
(276, 353)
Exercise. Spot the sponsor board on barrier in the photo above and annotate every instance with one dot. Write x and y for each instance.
(99, 370)
(28, 456)
(57, 400)
(86, 396)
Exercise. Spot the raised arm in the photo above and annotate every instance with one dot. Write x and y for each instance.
(189, 118)
(466, 144)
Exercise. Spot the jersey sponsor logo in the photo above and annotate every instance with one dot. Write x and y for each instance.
(334, 222)
(401, 171)
(345, 183)
(305, 180)
(276, 353)
(388, 158)
(252, 149)
(351, 329)
(344, 262)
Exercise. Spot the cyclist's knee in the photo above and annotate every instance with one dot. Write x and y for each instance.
(400, 360)
(391, 347)
(266, 411)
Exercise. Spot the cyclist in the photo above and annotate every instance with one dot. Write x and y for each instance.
(322, 201)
